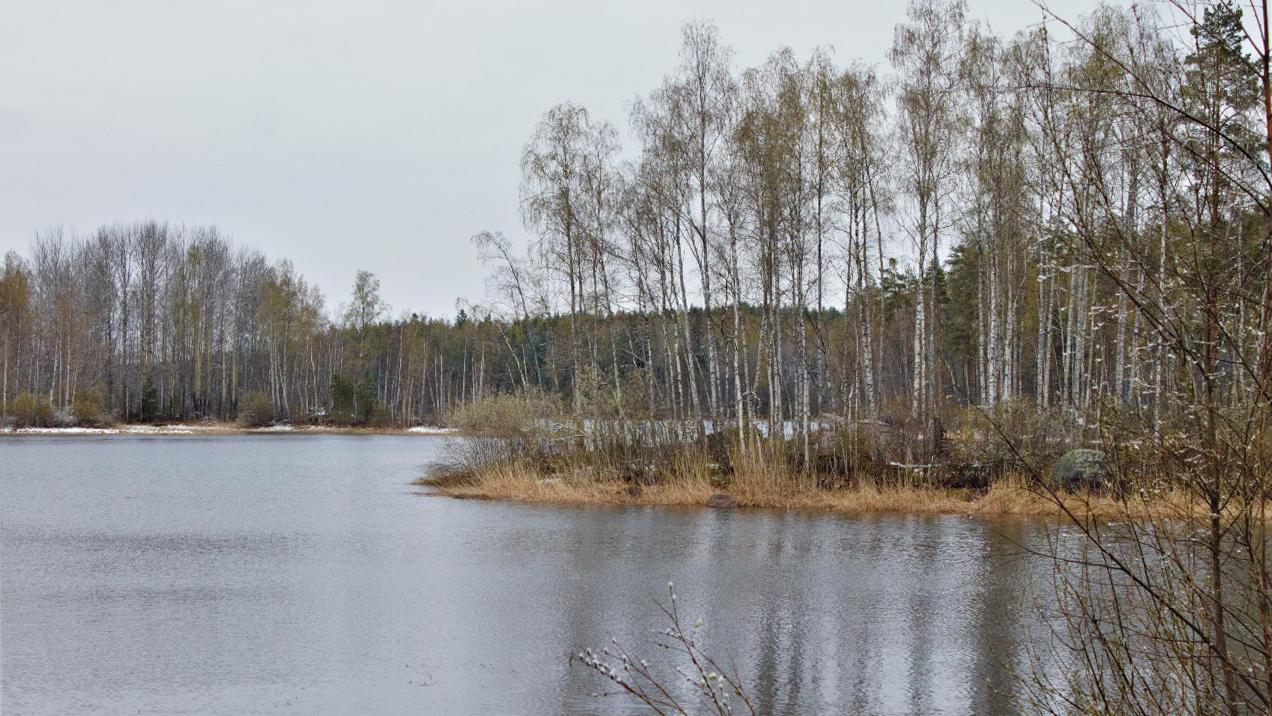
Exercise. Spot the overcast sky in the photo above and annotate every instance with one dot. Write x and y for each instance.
(376, 134)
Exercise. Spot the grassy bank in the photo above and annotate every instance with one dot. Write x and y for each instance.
(525, 448)
(1009, 496)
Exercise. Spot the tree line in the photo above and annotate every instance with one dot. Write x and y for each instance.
(151, 321)
(986, 221)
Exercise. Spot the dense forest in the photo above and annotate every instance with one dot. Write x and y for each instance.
(987, 221)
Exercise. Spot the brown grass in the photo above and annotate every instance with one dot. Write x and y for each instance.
(770, 489)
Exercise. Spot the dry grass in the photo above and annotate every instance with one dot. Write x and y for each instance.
(767, 488)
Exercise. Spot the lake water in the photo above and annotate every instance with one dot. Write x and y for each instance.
(303, 575)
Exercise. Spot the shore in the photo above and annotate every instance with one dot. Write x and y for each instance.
(1007, 497)
(218, 428)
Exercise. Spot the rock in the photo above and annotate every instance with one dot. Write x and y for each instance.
(1082, 469)
(722, 501)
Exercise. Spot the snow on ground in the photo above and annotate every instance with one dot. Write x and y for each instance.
(159, 430)
(120, 430)
(431, 430)
(126, 430)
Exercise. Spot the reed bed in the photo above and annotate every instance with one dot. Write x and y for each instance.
(769, 488)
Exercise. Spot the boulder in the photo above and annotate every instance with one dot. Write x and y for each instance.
(722, 501)
(1082, 469)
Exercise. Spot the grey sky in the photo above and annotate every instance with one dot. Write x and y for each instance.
(377, 134)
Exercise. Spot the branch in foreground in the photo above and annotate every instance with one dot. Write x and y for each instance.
(708, 685)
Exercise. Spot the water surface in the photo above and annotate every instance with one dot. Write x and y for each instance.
(303, 575)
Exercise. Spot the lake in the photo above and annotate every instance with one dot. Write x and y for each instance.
(303, 574)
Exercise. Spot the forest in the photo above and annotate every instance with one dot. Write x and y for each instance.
(150, 321)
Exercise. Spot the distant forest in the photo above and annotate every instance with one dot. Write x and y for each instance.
(989, 221)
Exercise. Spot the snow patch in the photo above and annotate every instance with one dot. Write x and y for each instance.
(66, 431)
(275, 429)
(431, 430)
(125, 430)
(159, 430)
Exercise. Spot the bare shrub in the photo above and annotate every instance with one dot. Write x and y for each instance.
(506, 415)
(711, 688)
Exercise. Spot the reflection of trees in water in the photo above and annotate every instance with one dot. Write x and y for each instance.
(815, 612)
(1135, 627)
(1006, 620)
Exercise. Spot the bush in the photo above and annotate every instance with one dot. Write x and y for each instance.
(256, 411)
(87, 411)
(1040, 437)
(506, 430)
(29, 410)
(507, 415)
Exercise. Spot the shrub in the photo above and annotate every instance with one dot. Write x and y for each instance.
(256, 410)
(1040, 437)
(507, 415)
(505, 430)
(29, 410)
(86, 410)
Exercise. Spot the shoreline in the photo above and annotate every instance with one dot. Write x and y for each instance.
(1010, 497)
(206, 429)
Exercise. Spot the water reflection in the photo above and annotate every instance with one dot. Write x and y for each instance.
(297, 574)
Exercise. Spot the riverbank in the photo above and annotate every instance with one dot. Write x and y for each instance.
(222, 428)
(1010, 496)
